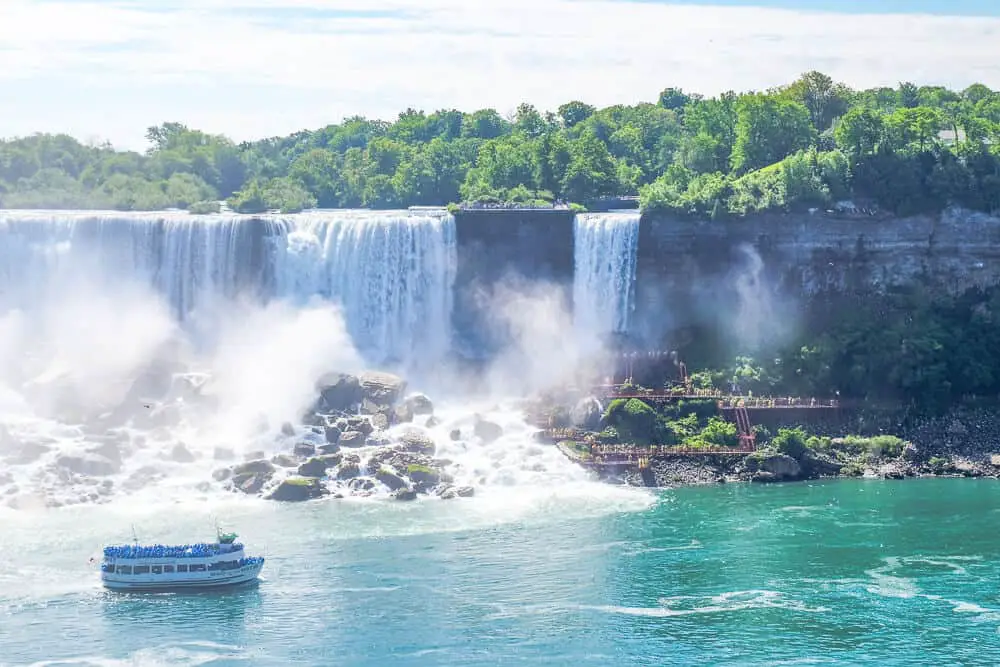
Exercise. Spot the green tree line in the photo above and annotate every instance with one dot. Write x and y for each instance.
(809, 144)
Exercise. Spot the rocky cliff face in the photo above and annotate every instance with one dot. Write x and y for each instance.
(749, 275)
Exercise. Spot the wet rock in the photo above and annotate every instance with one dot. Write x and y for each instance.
(455, 435)
(348, 470)
(380, 421)
(255, 455)
(221, 474)
(284, 461)
(419, 404)
(967, 469)
(390, 479)
(287, 429)
(339, 392)
(361, 485)
(377, 440)
(223, 454)
(331, 434)
(305, 449)
(316, 467)
(423, 477)
(995, 460)
(487, 431)
(250, 467)
(382, 389)
(181, 454)
(911, 453)
(432, 422)
(361, 424)
(773, 467)
(329, 449)
(352, 439)
(465, 492)
(298, 489)
(342, 424)
(405, 494)
(415, 440)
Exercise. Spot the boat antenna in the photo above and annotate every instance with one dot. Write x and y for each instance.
(135, 538)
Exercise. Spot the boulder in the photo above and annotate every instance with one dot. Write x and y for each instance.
(352, 439)
(432, 422)
(419, 404)
(284, 461)
(362, 424)
(995, 460)
(315, 467)
(339, 392)
(181, 454)
(586, 414)
(304, 449)
(487, 431)
(332, 435)
(390, 479)
(415, 440)
(287, 429)
(361, 485)
(382, 389)
(258, 466)
(967, 469)
(254, 455)
(329, 449)
(221, 474)
(405, 494)
(298, 489)
(455, 435)
(423, 477)
(773, 467)
(348, 470)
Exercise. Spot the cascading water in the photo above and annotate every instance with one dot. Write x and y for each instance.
(108, 387)
(393, 273)
(604, 275)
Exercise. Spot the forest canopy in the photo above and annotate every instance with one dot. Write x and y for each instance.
(809, 144)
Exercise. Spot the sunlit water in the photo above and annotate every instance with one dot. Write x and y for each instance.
(855, 572)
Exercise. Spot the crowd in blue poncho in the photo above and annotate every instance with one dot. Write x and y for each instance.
(201, 550)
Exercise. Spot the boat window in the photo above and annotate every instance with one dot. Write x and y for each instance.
(157, 569)
(124, 569)
(168, 569)
(182, 568)
(198, 567)
(140, 569)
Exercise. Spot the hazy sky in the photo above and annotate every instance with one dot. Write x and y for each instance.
(107, 69)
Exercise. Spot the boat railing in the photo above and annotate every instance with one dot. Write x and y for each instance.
(203, 550)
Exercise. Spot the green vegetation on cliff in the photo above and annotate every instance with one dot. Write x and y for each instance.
(809, 144)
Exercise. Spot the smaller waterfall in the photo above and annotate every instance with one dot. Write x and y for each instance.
(604, 272)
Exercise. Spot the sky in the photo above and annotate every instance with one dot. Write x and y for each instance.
(105, 70)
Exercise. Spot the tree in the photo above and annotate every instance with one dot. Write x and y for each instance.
(769, 129)
(818, 93)
(574, 113)
(859, 131)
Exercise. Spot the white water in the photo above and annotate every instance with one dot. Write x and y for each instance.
(89, 302)
(391, 272)
(604, 279)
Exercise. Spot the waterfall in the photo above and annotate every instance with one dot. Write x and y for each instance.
(604, 274)
(391, 272)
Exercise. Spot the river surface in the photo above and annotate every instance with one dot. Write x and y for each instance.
(847, 572)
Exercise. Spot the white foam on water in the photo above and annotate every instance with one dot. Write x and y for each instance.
(723, 603)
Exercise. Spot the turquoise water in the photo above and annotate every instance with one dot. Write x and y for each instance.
(849, 571)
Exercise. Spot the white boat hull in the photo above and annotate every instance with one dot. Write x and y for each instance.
(176, 582)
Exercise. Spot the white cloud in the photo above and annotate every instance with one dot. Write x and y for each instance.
(252, 68)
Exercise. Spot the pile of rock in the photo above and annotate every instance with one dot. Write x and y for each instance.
(353, 412)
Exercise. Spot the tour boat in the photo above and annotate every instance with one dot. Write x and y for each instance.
(135, 567)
